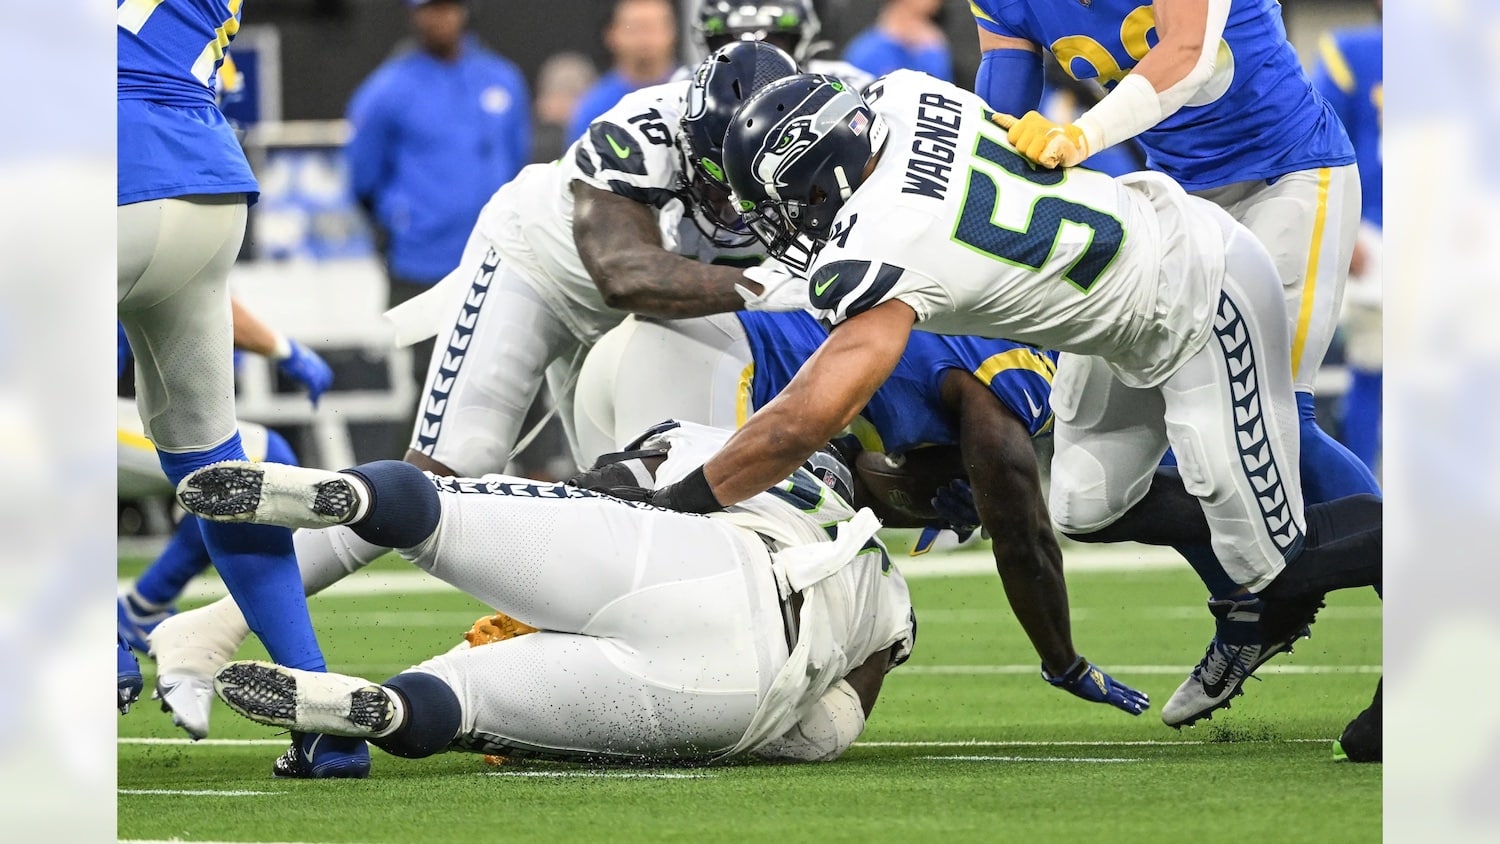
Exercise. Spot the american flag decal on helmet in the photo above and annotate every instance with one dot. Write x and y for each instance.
(858, 123)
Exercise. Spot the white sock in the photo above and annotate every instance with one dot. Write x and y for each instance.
(329, 555)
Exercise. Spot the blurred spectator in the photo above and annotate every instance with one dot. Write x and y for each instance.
(642, 38)
(437, 130)
(905, 35)
(1350, 75)
(560, 84)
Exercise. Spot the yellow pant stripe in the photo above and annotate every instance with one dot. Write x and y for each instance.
(1310, 278)
(742, 398)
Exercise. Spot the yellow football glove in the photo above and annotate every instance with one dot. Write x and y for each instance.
(496, 628)
(1044, 142)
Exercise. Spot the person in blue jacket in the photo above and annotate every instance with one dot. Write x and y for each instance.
(436, 131)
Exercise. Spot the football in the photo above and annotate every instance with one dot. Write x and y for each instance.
(902, 486)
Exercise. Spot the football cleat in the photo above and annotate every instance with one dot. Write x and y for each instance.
(1230, 659)
(128, 680)
(135, 622)
(188, 648)
(307, 701)
(271, 494)
(1362, 741)
(318, 757)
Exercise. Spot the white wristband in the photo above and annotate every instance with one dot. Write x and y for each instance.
(283, 348)
(1130, 109)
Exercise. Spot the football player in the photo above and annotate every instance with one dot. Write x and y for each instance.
(916, 210)
(986, 397)
(625, 222)
(792, 25)
(765, 629)
(183, 192)
(1214, 93)
(149, 600)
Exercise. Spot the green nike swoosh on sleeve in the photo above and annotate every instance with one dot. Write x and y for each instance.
(826, 283)
(622, 152)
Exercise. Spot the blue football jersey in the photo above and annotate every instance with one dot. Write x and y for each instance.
(1350, 75)
(1258, 118)
(907, 411)
(172, 138)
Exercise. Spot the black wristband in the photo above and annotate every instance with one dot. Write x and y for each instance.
(692, 494)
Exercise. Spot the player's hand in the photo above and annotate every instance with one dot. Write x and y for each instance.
(603, 477)
(307, 368)
(781, 290)
(954, 503)
(1089, 683)
(1044, 142)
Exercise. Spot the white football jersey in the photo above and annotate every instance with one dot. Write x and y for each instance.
(956, 224)
(629, 150)
(855, 601)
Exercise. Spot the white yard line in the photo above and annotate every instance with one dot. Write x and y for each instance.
(1083, 759)
(1028, 668)
(175, 792)
(187, 742)
(1129, 743)
(604, 775)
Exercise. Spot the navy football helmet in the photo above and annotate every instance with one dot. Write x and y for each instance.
(720, 84)
(791, 25)
(794, 154)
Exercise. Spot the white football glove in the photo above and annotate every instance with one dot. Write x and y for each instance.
(782, 290)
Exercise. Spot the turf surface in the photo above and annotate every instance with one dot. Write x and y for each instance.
(967, 744)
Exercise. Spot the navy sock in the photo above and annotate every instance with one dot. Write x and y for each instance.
(404, 505)
(1206, 563)
(183, 559)
(1329, 470)
(258, 567)
(433, 716)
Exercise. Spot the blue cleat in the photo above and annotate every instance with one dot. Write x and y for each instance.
(129, 681)
(135, 622)
(317, 757)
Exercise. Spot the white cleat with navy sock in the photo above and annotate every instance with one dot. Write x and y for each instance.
(273, 494)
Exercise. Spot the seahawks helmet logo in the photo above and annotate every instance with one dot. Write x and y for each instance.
(781, 149)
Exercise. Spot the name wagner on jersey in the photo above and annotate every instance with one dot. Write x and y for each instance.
(935, 146)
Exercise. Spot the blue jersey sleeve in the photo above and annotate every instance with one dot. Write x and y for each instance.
(1020, 376)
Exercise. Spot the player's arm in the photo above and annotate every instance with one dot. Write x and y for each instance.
(1002, 471)
(253, 334)
(619, 240)
(1180, 64)
(830, 388)
(830, 724)
(1010, 71)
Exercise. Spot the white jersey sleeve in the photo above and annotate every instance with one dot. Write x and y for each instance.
(629, 149)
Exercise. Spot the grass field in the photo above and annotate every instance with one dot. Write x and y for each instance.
(967, 743)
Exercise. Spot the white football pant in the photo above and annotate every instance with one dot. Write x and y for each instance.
(1307, 221)
(1228, 413)
(645, 370)
(661, 630)
(173, 299)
